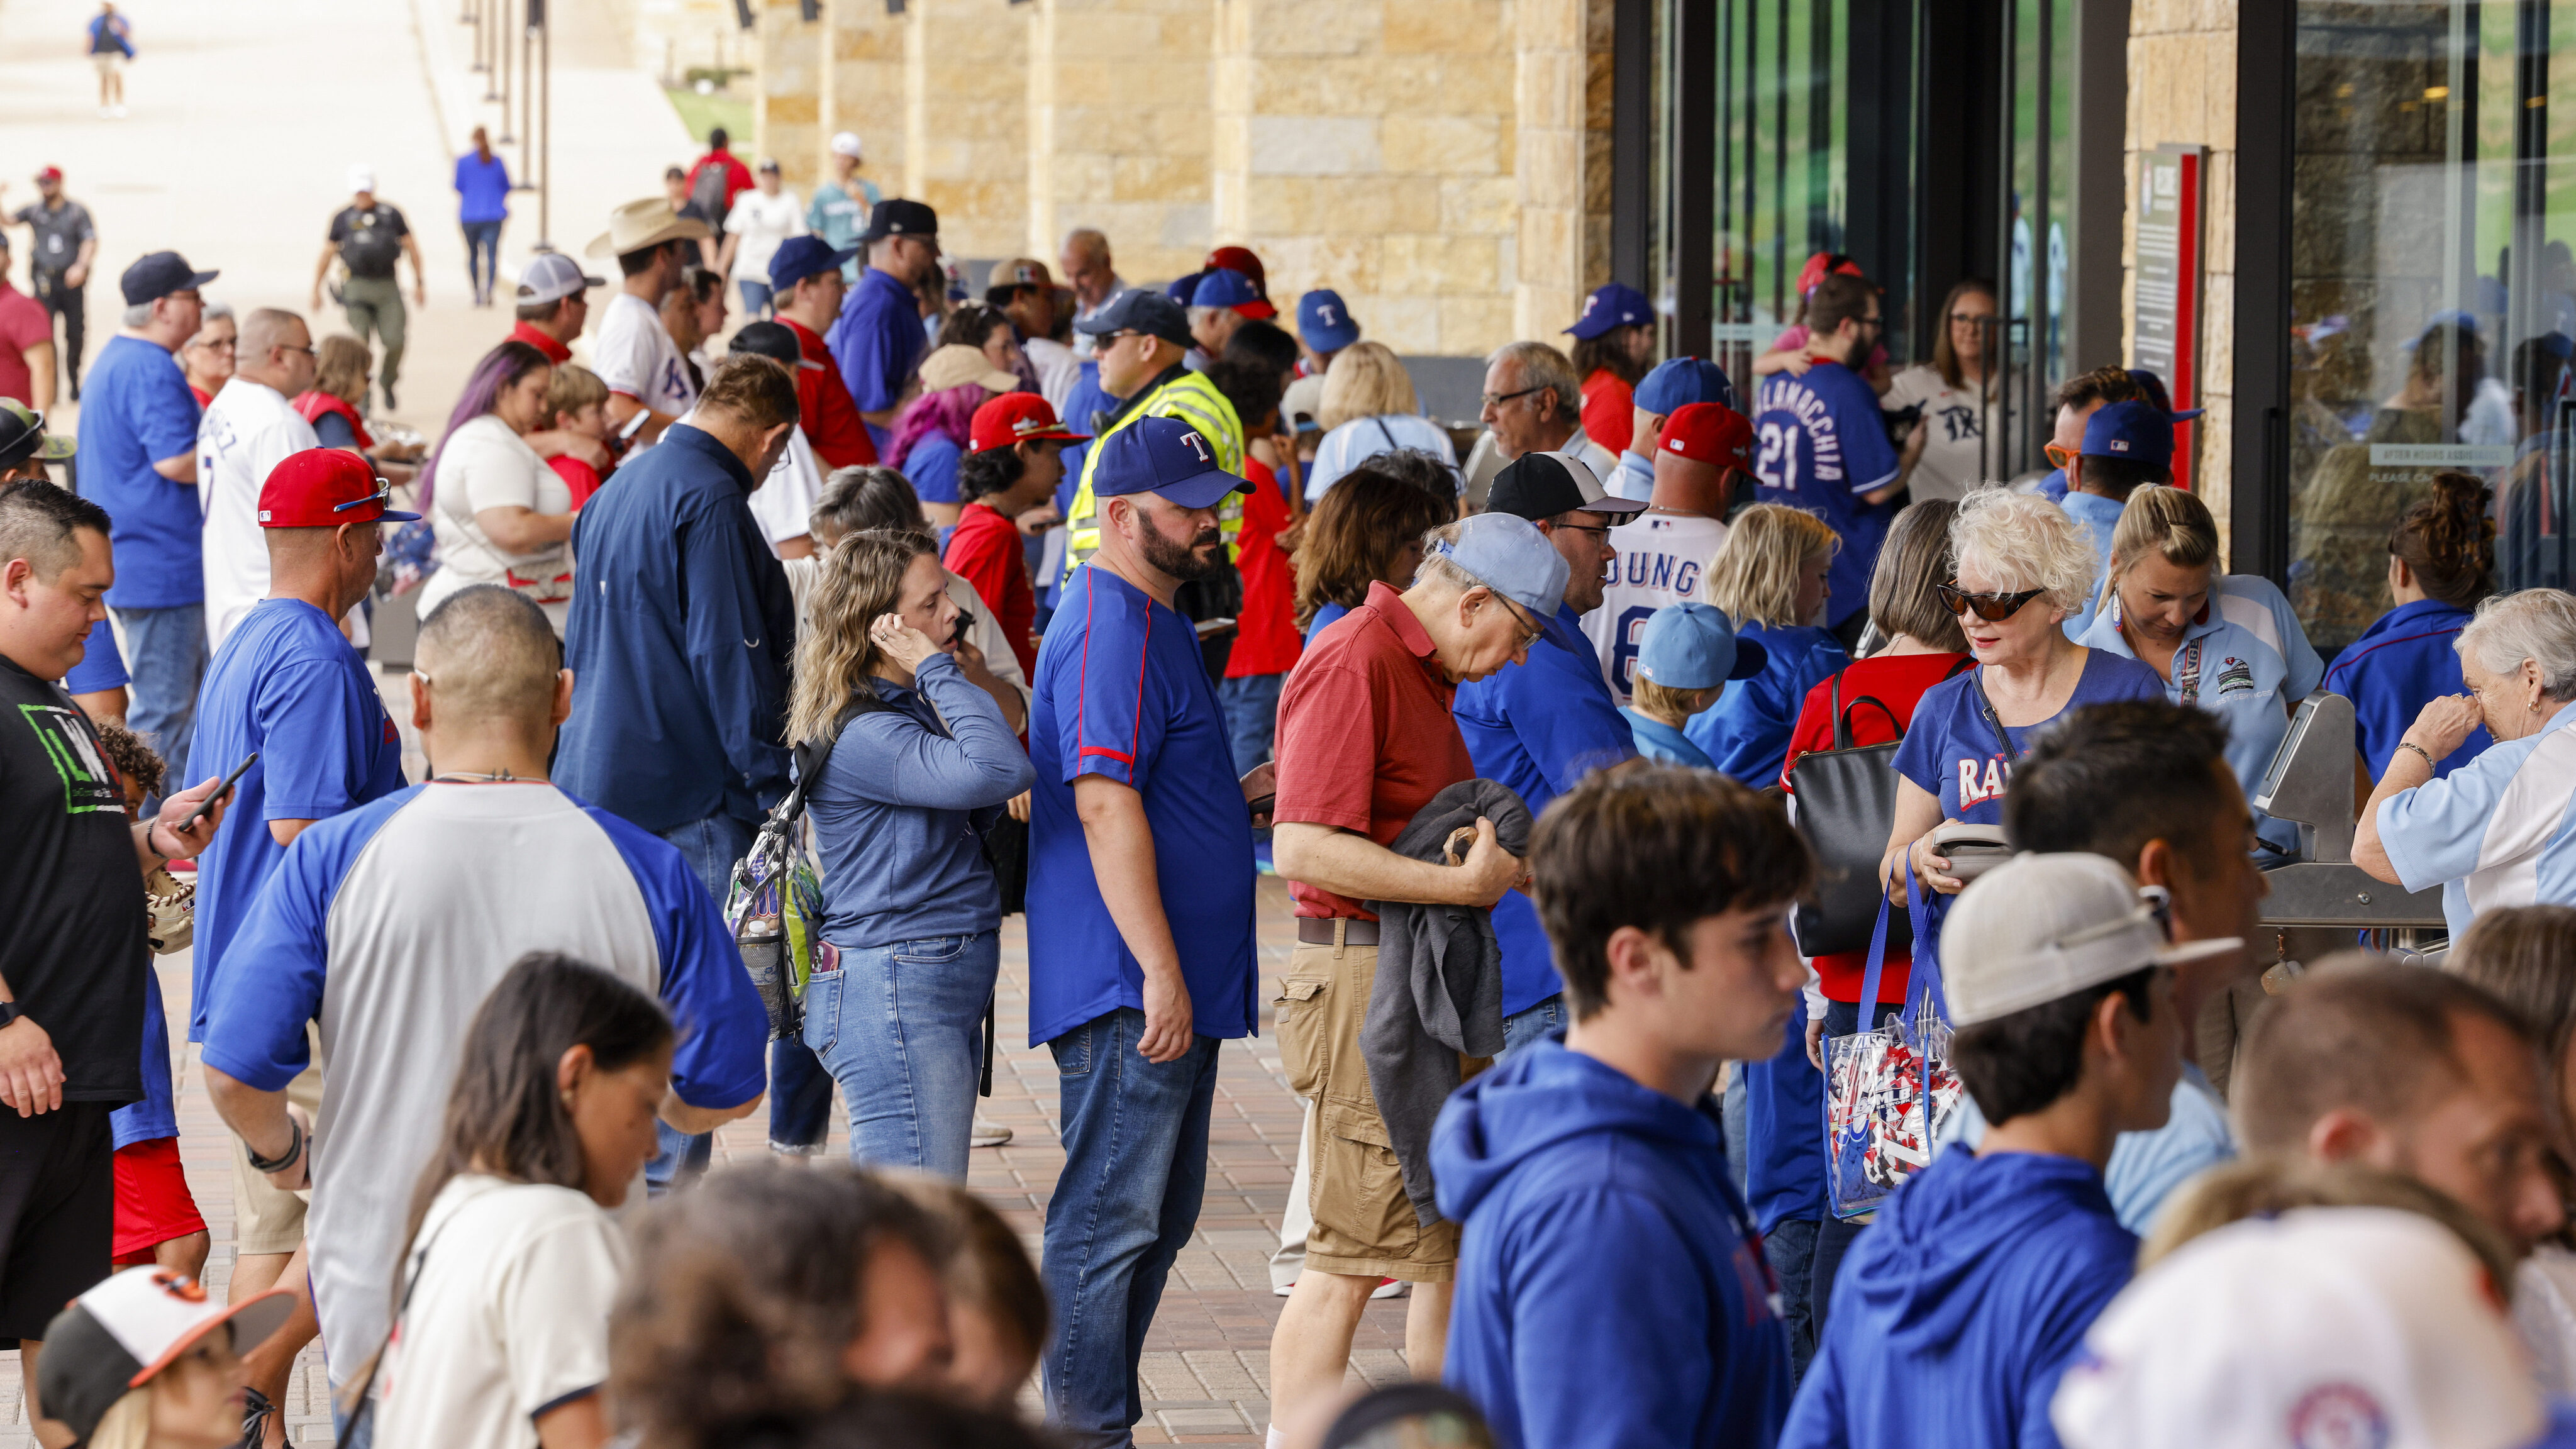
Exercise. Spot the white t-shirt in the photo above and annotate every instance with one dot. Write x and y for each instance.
(1058, 369)
(247, 430)
(1361, 439)
(784, 502)
(1662, 559)
(508, 1318)
(762, 222)
(486, 465)
(1954, 458)
(636, 357)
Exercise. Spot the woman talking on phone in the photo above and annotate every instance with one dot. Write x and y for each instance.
(921, 762)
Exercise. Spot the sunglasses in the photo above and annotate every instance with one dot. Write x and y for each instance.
(1993, 608)
(384, 494)
(2058, 453)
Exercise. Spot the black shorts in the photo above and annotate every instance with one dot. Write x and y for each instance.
(57, 1212)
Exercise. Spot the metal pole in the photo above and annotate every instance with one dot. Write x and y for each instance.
(545, 127)
(527, 93)
(479, 28)
(501, 41)
(490, 32)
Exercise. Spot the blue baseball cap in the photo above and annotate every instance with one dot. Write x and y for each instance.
(2137, 431)
(1677, 382)
(1182, 289)
(1693, 646)
(1507, 554)
(1223, 287)
(1325, 321)
(1165, 457)
(800, 257)
(1614, 305)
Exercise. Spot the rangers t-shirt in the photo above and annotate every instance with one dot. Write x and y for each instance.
(1950, 747)
(635, 356)
(1821, 446)
(1662, 558)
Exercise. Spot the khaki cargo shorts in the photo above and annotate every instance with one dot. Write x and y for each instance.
(1364, 1224)
(267, 1218)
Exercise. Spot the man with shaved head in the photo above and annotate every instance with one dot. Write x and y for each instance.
(248, 430)
(408, 910)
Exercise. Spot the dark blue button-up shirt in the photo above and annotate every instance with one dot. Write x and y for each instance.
(681, 635)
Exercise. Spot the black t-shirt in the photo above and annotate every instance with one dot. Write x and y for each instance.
(369, 239)
(72, 910)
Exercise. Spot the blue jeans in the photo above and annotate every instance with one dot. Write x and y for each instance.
(1532, 1022)
(340, 1436)
(901, 1028)
(800, 1097)
(165, 653)
(1791, 1248)
(482, 256)
(711, 846)
(1251, 704)
(755, 297)
(1135, 1166)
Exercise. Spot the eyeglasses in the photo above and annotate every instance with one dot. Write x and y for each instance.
(1993, 608)
(1530, 632)
(1583, 528)
(225, 344)
(1495, 400)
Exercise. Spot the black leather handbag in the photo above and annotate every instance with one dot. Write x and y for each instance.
(1846, 811)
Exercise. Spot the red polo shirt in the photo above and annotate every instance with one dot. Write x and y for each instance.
(527, 332)
(1365, 734)
(984, 550)
(831, 421)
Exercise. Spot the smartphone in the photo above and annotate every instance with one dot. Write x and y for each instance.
(1264, 805)
(225, 789)
(965, 621)
(634, 424)
(1211, 627)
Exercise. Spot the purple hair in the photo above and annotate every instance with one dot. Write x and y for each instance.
(950, 411)
(501, 369)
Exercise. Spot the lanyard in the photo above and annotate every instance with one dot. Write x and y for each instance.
(2187, 672)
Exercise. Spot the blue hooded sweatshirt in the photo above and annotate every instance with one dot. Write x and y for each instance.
(1957, 1311)
(1611, 1289)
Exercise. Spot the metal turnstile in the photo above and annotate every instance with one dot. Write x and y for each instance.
(2310, 781)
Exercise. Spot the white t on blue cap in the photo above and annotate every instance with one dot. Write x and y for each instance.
(1509, 555)
(1691, 645)
(1166, 457)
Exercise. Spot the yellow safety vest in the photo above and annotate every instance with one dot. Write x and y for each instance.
(1194, 400)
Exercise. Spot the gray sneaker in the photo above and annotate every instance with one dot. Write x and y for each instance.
(989, 1134)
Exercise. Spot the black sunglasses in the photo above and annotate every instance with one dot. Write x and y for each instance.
(1993, 608)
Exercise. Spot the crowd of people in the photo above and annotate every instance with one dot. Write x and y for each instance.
(1643, 764)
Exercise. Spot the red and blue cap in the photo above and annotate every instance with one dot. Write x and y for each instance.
(1165, 457)
(1224, 287)
(324, 488)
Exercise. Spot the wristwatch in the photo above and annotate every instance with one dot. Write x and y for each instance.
(9, 1012)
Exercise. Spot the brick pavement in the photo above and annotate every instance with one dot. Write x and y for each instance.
(1207, 1361)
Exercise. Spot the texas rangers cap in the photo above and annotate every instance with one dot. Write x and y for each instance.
(1166, 457)
(1679, 381)
(1613, 305)
(1016, 417)
(1325, 321)
(1221, 287)
(324, 488)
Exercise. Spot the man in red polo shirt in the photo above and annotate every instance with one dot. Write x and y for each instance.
(805, 276)
(1014, 462)
(553, 305)
(1366, 740)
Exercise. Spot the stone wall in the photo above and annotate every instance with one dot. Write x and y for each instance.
(863, 90)
(966, 122)
(2182, 91)
(1562, 92)
(786, 103)
(1119, 130)
(673, 36)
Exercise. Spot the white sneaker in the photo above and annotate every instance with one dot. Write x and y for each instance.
(988, 1134)
(119, 112)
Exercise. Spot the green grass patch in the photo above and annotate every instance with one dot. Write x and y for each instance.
(702, 114)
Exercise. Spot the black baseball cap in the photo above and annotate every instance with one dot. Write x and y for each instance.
(1538, 486)
(158, 275)
(896, 216)
(768, 339)
(1138, 310)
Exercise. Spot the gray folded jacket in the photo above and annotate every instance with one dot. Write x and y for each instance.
(1439, 992)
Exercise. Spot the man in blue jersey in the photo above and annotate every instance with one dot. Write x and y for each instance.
(1821, 446)
(878, 341)
(389, 925)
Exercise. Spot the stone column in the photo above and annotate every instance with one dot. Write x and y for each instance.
(1562, 53)
(787, 106)
(2182, 90)
(1119, 129)
(966, 119)
(1366, 146)
(863, 88)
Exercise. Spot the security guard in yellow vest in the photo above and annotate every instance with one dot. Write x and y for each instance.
(1140, 340)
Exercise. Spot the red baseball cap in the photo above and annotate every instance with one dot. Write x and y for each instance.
(1015, 417)
(324, 488)
(50, 173)
(1711, 433)
(1240, 259)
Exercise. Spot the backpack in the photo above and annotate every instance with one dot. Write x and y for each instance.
(371, 247)
(707, 190)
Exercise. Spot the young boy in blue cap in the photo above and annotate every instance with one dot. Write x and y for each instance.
(1688, 654)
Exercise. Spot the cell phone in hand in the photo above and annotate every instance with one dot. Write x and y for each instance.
(222, 791)
(1208, 628)
(1264, 805)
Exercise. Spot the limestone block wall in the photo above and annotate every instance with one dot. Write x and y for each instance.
(1120, 128)
(1562, 94)
(2182, 91)
(787, 96)
(966, 121)
(1369, 146)
(672, 36)
(862, 78)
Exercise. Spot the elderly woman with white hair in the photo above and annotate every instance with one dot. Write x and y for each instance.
(2501, 829)
(2023, 568)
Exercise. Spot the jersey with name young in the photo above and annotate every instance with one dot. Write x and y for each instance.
(1950, 748)
(1662, 558)
(637, 359)
(288, 688)
(1821, 445)
(390, 924)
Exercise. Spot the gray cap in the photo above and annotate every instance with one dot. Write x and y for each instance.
(2039, 928)
(1510, 556)
(551, 277)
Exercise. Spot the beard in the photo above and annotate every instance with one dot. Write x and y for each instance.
(1184, 561)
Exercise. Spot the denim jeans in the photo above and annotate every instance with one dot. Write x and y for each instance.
(711, 846)
(482, 256)
(755, 298)
(800, 1097)
(1135, 1165)
(341, 1438)
(1251, 705)
(1791, 1248)
(901, 1028)
(165, 653)
(1530, 1023)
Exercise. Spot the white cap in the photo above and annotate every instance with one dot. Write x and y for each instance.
(845, 143)
(2360, 1326)
(362, 177)
(2042, 927)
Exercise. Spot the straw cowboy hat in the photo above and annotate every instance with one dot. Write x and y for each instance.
(641, 224)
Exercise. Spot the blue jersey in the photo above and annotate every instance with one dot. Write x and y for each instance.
(878, 344)
(136, 411)
(1950, 749)
(101, 666)
(931, 468)
(1122, 692)
(2401, 663)
(1822, 445)
(287, 687)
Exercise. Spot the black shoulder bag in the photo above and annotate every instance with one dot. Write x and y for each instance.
(1846, 810)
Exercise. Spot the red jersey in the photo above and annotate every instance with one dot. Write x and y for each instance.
(830, 419)
(1266, 640)
(580, 477)
(1896, 681)
(984, 549)
(1609, 410)
(527, 332)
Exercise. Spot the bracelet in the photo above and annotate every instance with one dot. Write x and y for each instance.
(293, 1151)
(2429, 762)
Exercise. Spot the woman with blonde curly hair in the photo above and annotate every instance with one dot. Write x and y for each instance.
(2022, 567)
(921, 763)
(1769, 577)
